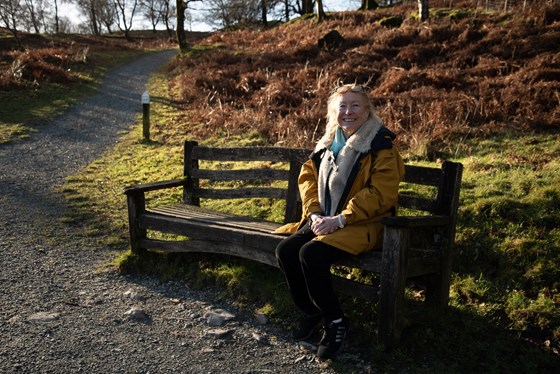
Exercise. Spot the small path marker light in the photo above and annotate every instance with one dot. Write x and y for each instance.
(146, 115)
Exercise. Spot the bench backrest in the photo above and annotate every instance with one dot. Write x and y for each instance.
(291, 157)
(445, 181)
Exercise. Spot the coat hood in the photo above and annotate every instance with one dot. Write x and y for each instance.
(361, 141)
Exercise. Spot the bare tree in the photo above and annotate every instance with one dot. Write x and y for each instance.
(306, 7)
(99, 13)
(264, 12)
(300, 7)
(231, 13)
(51, 19)
(107, 14)
(156, 11)
(65, 25)
(319, 11)
(91, 9)
(151, 11)
(34, 14)
(10, 12)
(312, 7)
(181, 6)
(56, 18)
(272, 8)
(168, 13)
(369, 5)
(126, 10)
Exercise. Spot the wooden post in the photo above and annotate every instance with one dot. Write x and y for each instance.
(146, 115)
(437, 292)
(293, 206)
(136, 206)
(189, 163)
(393, 278)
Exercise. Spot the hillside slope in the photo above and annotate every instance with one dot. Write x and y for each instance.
(462, 73)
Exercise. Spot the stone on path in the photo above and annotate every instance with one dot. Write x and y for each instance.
(43, 317)
(137, 314)
(218, 317)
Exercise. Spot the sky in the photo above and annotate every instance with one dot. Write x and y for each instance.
(69, 10)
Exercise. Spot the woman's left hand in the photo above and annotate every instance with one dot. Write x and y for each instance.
(323, 225)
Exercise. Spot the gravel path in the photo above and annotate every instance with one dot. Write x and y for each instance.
(60, 314)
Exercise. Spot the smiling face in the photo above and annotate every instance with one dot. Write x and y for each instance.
(352, 112)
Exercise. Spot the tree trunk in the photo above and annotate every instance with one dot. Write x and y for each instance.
(93, 20)
(369, 5)
(306, 7)
(423, 10)
(56, 27)
(181, 36)
(263, 13)
(320, 11)
(33, 17)
(166, 17)
(13, 28)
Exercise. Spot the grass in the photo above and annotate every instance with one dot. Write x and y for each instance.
(503, 311)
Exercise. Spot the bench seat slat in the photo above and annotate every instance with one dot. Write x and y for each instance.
(191, 212)
(244, 237)
(209, 231)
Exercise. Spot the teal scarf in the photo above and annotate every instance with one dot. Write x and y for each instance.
(338, 142)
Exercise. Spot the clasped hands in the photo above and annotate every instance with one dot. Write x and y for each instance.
(323, 225)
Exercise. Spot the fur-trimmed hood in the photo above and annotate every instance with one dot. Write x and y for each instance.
(360, 141)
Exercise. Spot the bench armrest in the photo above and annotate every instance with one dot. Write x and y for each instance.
(416, 221)
(154, 186)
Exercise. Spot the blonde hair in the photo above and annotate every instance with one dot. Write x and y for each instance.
(332, 104)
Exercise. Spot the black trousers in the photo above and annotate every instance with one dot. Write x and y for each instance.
(306, 264)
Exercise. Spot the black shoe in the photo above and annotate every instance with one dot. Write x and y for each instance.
(333, 339)
(306, 327)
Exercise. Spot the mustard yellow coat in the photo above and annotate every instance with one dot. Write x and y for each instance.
(371, 196)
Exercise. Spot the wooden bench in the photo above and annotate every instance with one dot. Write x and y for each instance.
(416, 244)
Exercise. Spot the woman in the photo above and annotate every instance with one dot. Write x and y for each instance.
(347, 186)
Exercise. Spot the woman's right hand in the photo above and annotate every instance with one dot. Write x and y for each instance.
(324, 225)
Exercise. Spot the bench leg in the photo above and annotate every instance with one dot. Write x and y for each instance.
(393, 279)
(437, 287)
(136, 206)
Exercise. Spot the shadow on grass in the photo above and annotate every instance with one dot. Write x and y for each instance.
(175, 104)
(455, 341)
